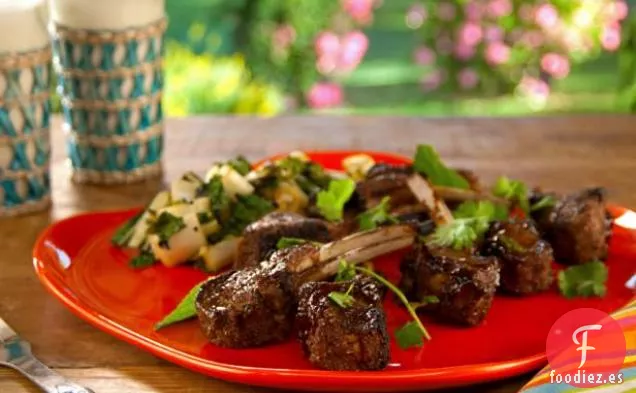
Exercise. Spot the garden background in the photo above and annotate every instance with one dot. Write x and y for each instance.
(405, 57)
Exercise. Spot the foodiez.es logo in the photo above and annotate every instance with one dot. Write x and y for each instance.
(586, 348)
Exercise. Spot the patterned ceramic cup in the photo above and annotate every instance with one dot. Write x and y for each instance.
(25, 61)
(111, 81)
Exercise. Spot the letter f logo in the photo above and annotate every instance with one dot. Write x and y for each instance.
(584, 347)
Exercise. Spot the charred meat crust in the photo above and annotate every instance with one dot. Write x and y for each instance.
(465, 284)
(260, 237)
(247, 308)
(335, 338)
(525, 259)
(577, 227)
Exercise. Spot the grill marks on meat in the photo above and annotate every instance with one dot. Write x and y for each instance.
(525, 259)
(260, 237)
(577, 227)
(335, 338)
(247, 308)
(465, 284)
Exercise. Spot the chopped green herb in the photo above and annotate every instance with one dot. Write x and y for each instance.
(286, 242)
(143, 260)
(426, 300)
(290, 167)
(406, 338)
(546, 201)
(331, 202)
(512, 190)
(219, 200)
(246, 210)
(511, 244)
(377, 215)
(472, 209)
(241, 165)
(343, 300)
(459, 234)
(125, 232)
(317, 174)
(346, 271)
(184, 310)
(166, 226)
(584, 280)
(428, 163)
(205, 217)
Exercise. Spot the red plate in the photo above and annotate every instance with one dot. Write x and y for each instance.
(76, 263)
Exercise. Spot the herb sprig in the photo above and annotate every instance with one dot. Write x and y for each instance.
(512, 190)
(377, 216)
(331, 202)
(343, 300)
(428, 163)
(585, 280)
(459, 234)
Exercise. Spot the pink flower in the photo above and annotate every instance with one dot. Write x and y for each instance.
(446, 11)
(618, 10)
(532, 39)
(415, 16)
(473, 11)
(494, 33)
(470, 34)
(424, 56)
(432, 80)
(546, 16)
(324, 95)
(284, 36)
(444, 44)
(354, 47)
(326, 64)
(464, 52)
(497, 8)
(611, 38)
(555, 65)
(526, 12)
(360, 10)
(467, 78)
(327, 43)
(497, 53)
(535, 88)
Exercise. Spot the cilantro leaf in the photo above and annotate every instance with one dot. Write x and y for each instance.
(584, 280)
(290, 167)
(317, 174)
(219, 200)
(377, 215)
(346, 271)
(546, 201)
(490, 210)
(409, 335)
(331, 202)
(428, 163)
(286, 242)
(459, 234)
(166, 225)
(241, 165)
(246, 210)
(144, 259)
(125, 232)
(343, 300)
(512, 190)
(184, 310)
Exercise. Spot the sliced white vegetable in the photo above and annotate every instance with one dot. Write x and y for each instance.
(221, 254)
(185, 188)
(290, 198)
(215, 170)
(182, 246)
(299, 155)
(210, 228)
(201, 205)
(358, 165)
(235, 184)
(179, 210)
(140, 230)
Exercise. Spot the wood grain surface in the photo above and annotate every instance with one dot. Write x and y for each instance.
(561, 154)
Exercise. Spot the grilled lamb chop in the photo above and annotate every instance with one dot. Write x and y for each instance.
(255, 306)
(260, 237)
(525, 259)
(336, 338)
(465, 284)
(577, 227)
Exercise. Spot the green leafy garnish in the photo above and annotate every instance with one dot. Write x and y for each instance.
(377, 215)
(143, 260)
(490, 210)
(428, 163)
(546, 201)
(184, 310)
(407, 336)
(511, 244)
(346, 271)
(290, 167)
(512, 190)
(317, 174)
(584, 280)
(166, 225)
(460, 234)
(241, 165)
(426, 300)
(219, 200)
(343, 300)
(125, 232)
(286, 242)
(331, 202)
(246, 210)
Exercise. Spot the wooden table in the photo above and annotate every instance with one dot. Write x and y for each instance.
(559, 153)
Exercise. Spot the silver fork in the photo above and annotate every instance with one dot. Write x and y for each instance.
(16, 353)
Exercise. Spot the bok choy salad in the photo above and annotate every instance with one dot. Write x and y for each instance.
(200, 220)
